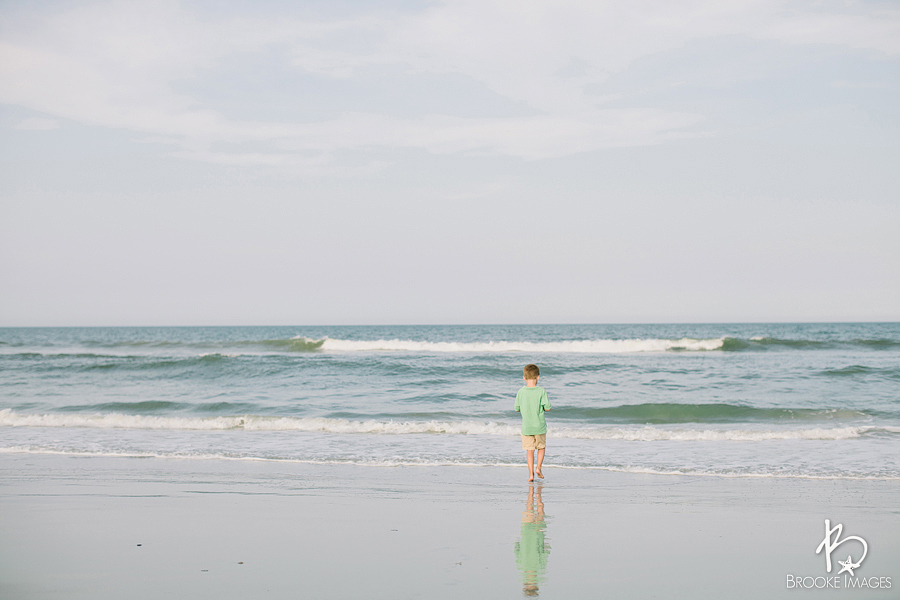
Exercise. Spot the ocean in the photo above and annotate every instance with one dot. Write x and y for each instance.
(719, 400)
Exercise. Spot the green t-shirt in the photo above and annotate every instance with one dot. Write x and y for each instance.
(532, 402)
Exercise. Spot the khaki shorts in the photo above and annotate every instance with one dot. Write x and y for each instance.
(534, 442)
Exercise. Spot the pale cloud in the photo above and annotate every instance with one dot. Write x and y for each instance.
(115, 65)
(861, 85)
(878, 31)
(37, 124)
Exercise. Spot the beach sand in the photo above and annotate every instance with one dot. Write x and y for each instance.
(103, 527)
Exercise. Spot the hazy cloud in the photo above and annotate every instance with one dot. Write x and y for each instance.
(131, 66)
(378, 161)
(37, 124)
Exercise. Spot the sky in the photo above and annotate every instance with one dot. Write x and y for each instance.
(404, 162)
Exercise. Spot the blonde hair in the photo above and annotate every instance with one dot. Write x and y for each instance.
(531, 372)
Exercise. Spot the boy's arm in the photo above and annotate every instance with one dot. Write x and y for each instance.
(517, 407)
(545, 401)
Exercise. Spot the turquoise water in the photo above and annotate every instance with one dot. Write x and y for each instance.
(793, 400)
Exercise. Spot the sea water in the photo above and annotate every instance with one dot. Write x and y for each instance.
(726, 400)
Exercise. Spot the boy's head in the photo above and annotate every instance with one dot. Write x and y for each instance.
(531, 372)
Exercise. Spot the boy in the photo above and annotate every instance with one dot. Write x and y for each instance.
(532, 401)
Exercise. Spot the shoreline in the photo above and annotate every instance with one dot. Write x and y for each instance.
(450, 464)
(71, 525)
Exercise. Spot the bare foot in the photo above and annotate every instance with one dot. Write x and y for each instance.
(539, 474)
(530, 479)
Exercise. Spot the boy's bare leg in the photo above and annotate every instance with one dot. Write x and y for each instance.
(540, 462)
(529, 458)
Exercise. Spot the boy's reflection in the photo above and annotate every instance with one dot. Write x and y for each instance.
(532, 549)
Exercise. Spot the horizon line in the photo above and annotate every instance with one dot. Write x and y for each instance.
(633, 323)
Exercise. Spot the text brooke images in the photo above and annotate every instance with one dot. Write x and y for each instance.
(835, 582)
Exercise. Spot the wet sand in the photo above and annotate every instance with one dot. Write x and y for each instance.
(103, 527)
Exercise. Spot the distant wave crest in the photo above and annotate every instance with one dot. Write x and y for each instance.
(565, 346)
(222, 350)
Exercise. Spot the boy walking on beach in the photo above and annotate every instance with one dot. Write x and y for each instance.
(532, 401)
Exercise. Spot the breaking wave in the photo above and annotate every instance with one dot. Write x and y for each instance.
(652, 413)
(213, 351)
(645, 433)
(566, 346)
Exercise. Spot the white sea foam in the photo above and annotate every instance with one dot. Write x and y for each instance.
(305, 344)
(637, 433)
(566, 346)
(416, 462)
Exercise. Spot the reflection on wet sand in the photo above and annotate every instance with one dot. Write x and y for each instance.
(532, 549)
